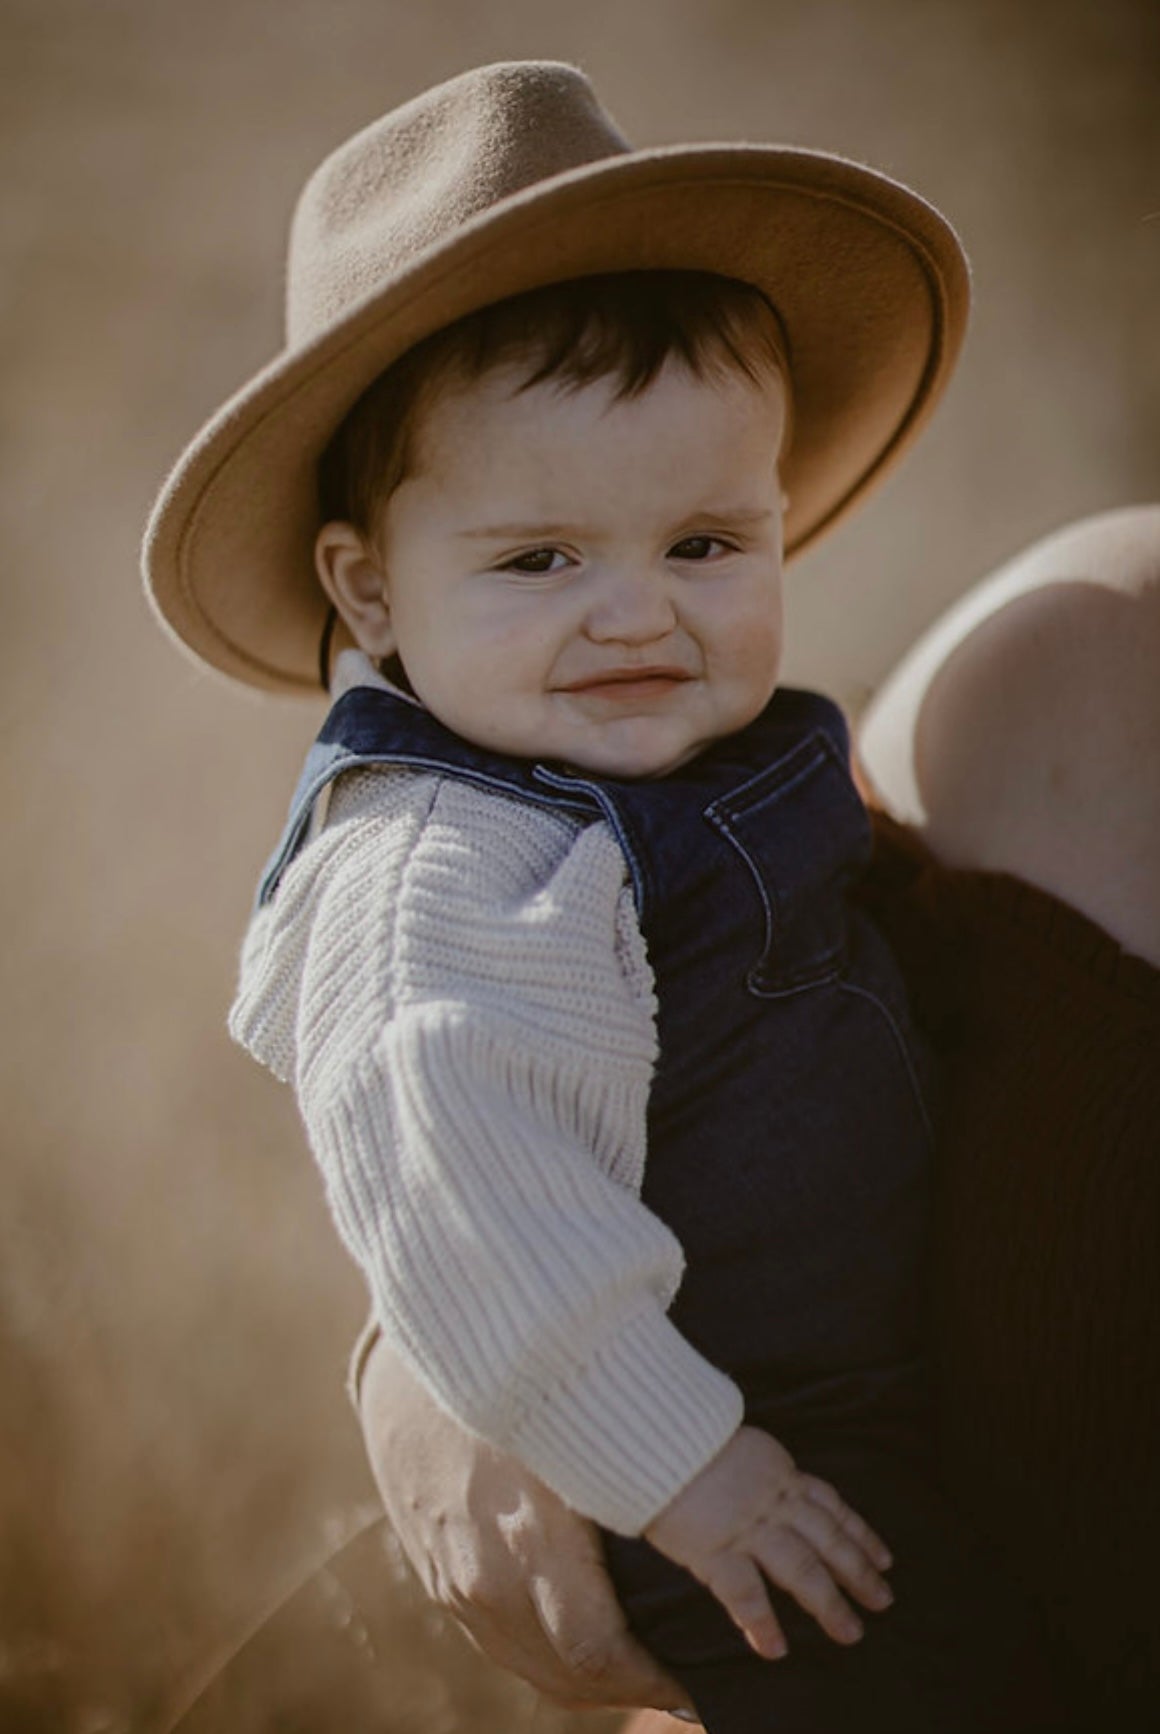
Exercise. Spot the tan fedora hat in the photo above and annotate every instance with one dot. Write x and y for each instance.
(501, 180)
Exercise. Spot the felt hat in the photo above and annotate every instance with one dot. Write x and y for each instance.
(499, 181)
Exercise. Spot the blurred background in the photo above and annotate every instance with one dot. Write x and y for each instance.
(175, 1448)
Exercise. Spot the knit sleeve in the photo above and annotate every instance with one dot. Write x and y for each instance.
(475, 1092)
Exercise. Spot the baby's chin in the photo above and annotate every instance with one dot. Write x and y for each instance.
(629, 748)
(636, 750)
(631, 760)
(642, 748)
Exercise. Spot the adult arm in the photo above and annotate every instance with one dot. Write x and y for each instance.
(498, 1550)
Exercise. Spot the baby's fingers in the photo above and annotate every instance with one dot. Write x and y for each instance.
(845, 1557)
(821, 1493)
(793, 1562)
(737, 1584)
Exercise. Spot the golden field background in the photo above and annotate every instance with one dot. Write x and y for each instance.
(175, 1448)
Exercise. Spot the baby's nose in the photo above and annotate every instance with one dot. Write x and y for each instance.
(632, 606)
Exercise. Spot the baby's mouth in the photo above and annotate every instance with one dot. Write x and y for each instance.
(627, 683)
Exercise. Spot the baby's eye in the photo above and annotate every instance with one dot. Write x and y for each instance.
(536, 563)
(698, 548)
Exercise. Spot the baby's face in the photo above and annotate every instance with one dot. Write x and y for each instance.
(570, 577)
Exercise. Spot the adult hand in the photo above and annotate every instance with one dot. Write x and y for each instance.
(520, 1571)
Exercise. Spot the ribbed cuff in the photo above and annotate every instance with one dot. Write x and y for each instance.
(623, 1438)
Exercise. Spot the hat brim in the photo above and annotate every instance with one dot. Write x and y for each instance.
(869, 280)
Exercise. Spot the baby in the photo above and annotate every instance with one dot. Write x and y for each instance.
(612, 1085)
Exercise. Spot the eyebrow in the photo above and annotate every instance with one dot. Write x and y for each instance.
(518, 532)
(546, 532)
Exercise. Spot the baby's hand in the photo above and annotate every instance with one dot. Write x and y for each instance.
(751, 1512)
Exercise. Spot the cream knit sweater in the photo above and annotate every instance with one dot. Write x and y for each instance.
(456, 985)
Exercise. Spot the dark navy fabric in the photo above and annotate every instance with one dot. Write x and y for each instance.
(788, 1136)
(789, 1150)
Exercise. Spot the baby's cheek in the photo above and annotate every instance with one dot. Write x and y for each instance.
(756, 661)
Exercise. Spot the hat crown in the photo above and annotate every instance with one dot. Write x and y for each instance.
(406, 183)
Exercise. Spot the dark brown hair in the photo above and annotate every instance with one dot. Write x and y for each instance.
(624, 326)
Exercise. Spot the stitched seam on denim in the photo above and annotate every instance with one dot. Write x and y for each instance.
(900, 1042)
(719, 823)
(791, 986)
(791, 983)
(724, 813)
(774, 781)
(635, 857)
(782, 777)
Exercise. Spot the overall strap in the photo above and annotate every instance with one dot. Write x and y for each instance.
(769, 816)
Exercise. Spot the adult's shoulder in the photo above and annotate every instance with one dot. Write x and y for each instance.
(1021, 734)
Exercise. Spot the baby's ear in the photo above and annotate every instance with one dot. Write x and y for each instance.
(352, 575)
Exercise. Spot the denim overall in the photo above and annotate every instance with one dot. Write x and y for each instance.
(788, 1149)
